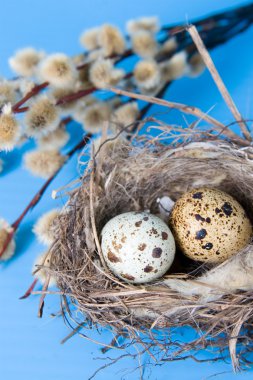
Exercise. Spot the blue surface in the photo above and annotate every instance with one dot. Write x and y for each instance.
(29, 347)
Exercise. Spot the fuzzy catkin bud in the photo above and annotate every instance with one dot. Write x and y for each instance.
(7, 93)
(95, 54)
(170, 45)
(42, 117)
(43, 163)
(54, 140)
(83, 77)
(42, 263)
(104, 145)
(147, 74)
(111, 40)
(43, 228)
(103, 74)
(150, 24)
(196, 65)
(144, 44)
(125, 115)
(89, 39)
(58, 69)
(5, 229)
(94, 117)
(175, 67)
(9, 129)
(24, 85)
(58, 93)
(25, 61)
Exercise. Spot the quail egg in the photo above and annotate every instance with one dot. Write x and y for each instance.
(138, 247)
(209, 225)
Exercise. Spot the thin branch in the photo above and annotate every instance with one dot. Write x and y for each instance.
(191, 110)
(73, 332)
(75, 96)
(29, 290)
(43, 296)
(36, 89)
(184, 44)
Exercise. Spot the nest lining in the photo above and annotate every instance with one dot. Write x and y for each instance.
(130, 176)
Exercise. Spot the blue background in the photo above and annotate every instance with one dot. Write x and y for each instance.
(30, 347)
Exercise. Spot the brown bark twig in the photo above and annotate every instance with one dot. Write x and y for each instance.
(36, 89)
(29, 290)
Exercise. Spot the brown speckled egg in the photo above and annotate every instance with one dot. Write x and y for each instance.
(137, 246)
(209, 225)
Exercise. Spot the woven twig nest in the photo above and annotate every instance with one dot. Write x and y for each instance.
(130, 176)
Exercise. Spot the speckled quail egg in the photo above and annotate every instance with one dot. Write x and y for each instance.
(209, 225)
(138, 247)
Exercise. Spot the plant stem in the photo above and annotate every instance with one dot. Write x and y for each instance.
(36, 89)
(29, 290)
(75, 96)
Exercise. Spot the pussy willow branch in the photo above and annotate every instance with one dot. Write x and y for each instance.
(42, 190)
(36, 89)
(190, 47)
(211, 37)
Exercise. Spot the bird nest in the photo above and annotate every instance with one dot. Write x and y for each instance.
(132, 175)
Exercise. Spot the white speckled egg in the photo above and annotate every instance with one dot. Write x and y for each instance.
(137, 246)
(209, 225)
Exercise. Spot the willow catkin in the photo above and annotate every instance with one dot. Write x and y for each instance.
(175, 67)
(43, 163)
(147, 74)
(9, 129)
(111, 40)
(89, 38)
(103, 73)
(43, 228)
(196, 65)
(40, 269)
(169, 45)
(5, 230)
(42, 117)
(94, 117)
(125, 115)
(58, 69)
(144, 44)
(54, 140)
(25, 61)
(150, 24)
(7, 93)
